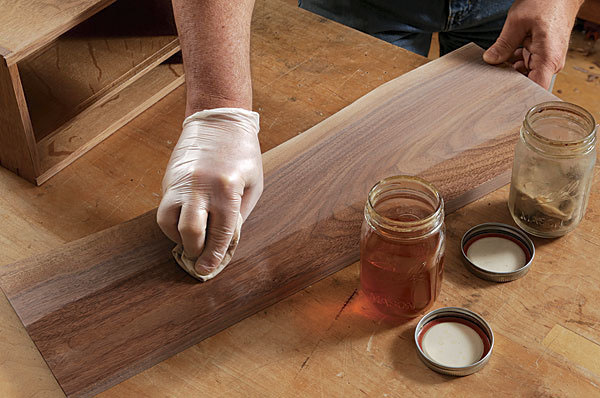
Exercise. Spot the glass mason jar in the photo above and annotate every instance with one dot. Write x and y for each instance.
(553, 169)
(402, 246)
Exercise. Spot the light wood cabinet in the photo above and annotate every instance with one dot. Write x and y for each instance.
(74, 72)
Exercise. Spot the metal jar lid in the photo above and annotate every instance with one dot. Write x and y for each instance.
(454, 315)
(512, 234)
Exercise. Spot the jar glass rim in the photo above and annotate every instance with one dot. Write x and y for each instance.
(405, 225)
(566, 107)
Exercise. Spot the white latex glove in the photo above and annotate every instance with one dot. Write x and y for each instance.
(214, 174)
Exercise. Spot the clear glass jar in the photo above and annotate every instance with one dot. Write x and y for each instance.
(553, 169)
(402, 246)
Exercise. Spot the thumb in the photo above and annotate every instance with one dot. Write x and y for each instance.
(510, 39)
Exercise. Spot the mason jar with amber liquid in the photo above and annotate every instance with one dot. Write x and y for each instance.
(553, 169)
(402, 246)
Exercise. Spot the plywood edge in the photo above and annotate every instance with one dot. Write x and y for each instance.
(97, 123)
(18, 53)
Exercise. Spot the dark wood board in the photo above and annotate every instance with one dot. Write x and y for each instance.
(105, 307)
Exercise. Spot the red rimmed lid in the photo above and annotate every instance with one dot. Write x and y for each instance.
(454, 341)
(497, 252)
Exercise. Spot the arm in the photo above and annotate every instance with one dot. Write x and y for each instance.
(542, 29)
(214, 176)
(215, 43)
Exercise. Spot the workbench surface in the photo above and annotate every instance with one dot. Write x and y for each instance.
(317, 342)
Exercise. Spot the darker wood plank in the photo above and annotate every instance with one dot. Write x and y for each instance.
(105, 307)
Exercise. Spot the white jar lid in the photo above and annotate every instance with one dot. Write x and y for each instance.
(454, 341)
(497, 252)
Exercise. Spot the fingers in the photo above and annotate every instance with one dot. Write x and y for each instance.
(222, 221)
(167, 217)
(192, 228)
(520, 60)
(517, 55)
(542, 75)
(512, 35)
(519, 66)
(250, 198)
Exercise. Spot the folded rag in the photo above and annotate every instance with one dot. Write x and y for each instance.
(188, 263)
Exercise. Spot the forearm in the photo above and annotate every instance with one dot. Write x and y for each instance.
(215, 43)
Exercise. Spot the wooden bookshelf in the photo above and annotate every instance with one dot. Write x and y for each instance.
(69, 79)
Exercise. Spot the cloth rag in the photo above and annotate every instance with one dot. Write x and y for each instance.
(188, 263)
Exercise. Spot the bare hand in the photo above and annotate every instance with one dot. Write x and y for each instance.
(535, 38)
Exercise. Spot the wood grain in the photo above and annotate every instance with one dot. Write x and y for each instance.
(56, 88)
(583, 352)
(98, 57)
(322, 341)
(99, 121)
(313, 69)
(27, 25)
(18, 151)
(117, 300)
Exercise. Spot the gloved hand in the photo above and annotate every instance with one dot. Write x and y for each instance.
(214, 174)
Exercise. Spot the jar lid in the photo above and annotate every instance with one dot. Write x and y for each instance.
(454, 341)
(497, 252)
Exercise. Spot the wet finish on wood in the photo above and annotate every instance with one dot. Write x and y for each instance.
(118, 301)
(313, 69)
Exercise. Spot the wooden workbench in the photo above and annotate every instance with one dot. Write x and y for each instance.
(316, 342)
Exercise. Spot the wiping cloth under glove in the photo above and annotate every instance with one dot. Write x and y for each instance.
(188, 263)
(211, 184)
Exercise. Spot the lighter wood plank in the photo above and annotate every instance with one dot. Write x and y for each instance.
(578, 349)
(98, 122)
(115, 271)
(20, 360)
(27, 25)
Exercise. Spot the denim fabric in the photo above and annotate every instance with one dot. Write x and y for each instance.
(409, 24)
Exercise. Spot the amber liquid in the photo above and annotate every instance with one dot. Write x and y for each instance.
(401, 278)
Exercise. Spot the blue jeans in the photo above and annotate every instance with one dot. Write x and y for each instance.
(410, 23)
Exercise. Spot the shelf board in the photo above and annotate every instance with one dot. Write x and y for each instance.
(74, 72)
(28, 25)
(100, 120)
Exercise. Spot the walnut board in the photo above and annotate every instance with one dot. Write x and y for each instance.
(105, 307)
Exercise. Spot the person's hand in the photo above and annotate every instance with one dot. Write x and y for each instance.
(535, 38)
(214, 174)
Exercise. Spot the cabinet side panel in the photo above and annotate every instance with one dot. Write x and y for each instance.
(18, 151)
